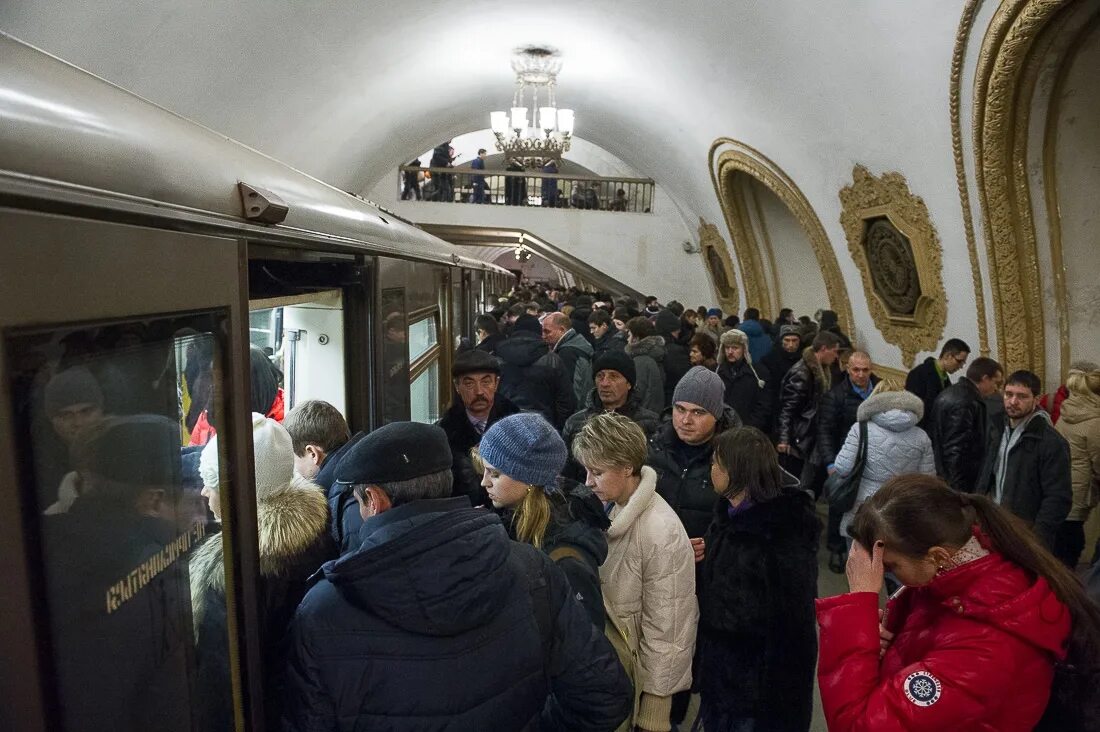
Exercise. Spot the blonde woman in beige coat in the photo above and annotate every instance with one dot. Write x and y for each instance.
(1080, 425)
(648, 578)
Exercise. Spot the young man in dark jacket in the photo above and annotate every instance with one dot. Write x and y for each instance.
(928, 379)
(603, 333)
(1026, 467)
(786, 353)
(438, 621)
(960, 422)
(532, 376)
(799, 398)
(477, 406)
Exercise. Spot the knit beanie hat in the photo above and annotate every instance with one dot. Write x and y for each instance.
(274, 453)
(615, 360)
(666, 322)
(70, 387)
(714, 312)
(208, 464)
(703, 387)
(528, 323)
(525, 447)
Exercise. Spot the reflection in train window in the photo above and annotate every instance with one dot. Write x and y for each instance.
(395, 356)
(105, 415)
(304, 337)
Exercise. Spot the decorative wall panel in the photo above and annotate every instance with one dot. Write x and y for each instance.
(719, 264)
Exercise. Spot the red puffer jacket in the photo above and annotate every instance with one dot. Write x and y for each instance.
(973, 650)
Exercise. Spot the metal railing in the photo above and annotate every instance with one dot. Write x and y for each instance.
(525, 188)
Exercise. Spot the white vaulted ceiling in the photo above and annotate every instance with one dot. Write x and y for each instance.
(347, 90)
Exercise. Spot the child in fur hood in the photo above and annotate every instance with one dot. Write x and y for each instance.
(292, 520)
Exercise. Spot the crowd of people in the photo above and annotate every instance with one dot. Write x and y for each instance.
(618, 511)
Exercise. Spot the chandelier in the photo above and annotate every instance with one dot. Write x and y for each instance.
(522, 139)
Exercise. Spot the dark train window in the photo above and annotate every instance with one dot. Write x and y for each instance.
(395, 356)
(104, 416)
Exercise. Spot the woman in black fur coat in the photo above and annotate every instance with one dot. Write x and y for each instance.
(757, 640)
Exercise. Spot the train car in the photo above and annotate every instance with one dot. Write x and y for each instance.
(144, 260)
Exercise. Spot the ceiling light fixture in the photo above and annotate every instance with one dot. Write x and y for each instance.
(520, 136)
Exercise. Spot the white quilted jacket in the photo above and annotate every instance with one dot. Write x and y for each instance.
(895, 445)
(648, 581)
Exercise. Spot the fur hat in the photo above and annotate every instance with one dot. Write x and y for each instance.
(736, 337)
(787, 330)
(714, 313)
(703, 387)
(525, 447)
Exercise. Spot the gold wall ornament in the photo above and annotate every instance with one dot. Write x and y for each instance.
(893, 242)
(1015, 48)
(962, 39)
(719, 265)
(728, 157)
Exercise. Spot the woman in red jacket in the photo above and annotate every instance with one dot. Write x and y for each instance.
(986, 624)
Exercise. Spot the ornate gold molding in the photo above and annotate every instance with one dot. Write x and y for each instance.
(869, 199)
(728, 156)
(719, 265)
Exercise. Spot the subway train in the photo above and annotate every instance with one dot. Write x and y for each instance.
(144, 259)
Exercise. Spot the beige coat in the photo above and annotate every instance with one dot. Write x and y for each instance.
(648, 582)
(1080, 425)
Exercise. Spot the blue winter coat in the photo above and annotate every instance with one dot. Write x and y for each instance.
(760, 340)
(431, 625)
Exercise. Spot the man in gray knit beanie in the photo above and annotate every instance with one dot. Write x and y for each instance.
(703, 387)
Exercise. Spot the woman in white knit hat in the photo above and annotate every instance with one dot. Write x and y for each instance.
(292, 519)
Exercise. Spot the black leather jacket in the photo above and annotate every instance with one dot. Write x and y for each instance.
(799, 396)
(959, 429)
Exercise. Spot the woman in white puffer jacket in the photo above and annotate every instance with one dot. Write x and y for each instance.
(648, 578)
(895, 445)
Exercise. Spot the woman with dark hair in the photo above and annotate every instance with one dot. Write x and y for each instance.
(702, 351)
(756, 641)
(989, 632)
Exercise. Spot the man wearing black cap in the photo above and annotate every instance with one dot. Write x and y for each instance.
(477, 406)
(437, 621)
(614, 376)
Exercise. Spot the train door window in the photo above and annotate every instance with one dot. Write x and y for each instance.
(123, 508)
(303, 338)
(424, 358)
(424, 395)
(395, 356)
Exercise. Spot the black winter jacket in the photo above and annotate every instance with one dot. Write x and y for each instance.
(924, 381)
(799, 397)
(778, 362)
(294, 542)
(649, 422)
(686, 485)
(836, 415)
(432, 624)
(959, 429)
(677, 363)
(757, 627)
(462, 436)
(489, 345)
(607, 342)
(577, 521)
(1037, 483)
(749, 399)
(534, 378)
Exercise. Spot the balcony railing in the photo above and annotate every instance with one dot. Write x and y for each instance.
(527, 188)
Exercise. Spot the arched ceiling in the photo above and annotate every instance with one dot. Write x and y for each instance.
(347, 90)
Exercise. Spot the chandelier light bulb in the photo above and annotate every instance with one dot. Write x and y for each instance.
(565, 122)
(548, 119)
(499, 122)
(519, 118)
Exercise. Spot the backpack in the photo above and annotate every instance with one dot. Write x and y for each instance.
(615, 632)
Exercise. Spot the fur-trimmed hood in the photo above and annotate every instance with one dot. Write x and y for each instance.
(290, 520)
(821, 376)
(652, 346)
(891, 401)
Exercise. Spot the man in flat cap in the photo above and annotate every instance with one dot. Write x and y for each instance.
(436, 621)
(476, 407)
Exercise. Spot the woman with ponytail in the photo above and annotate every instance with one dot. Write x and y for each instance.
(989, 631)
(522, 457)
